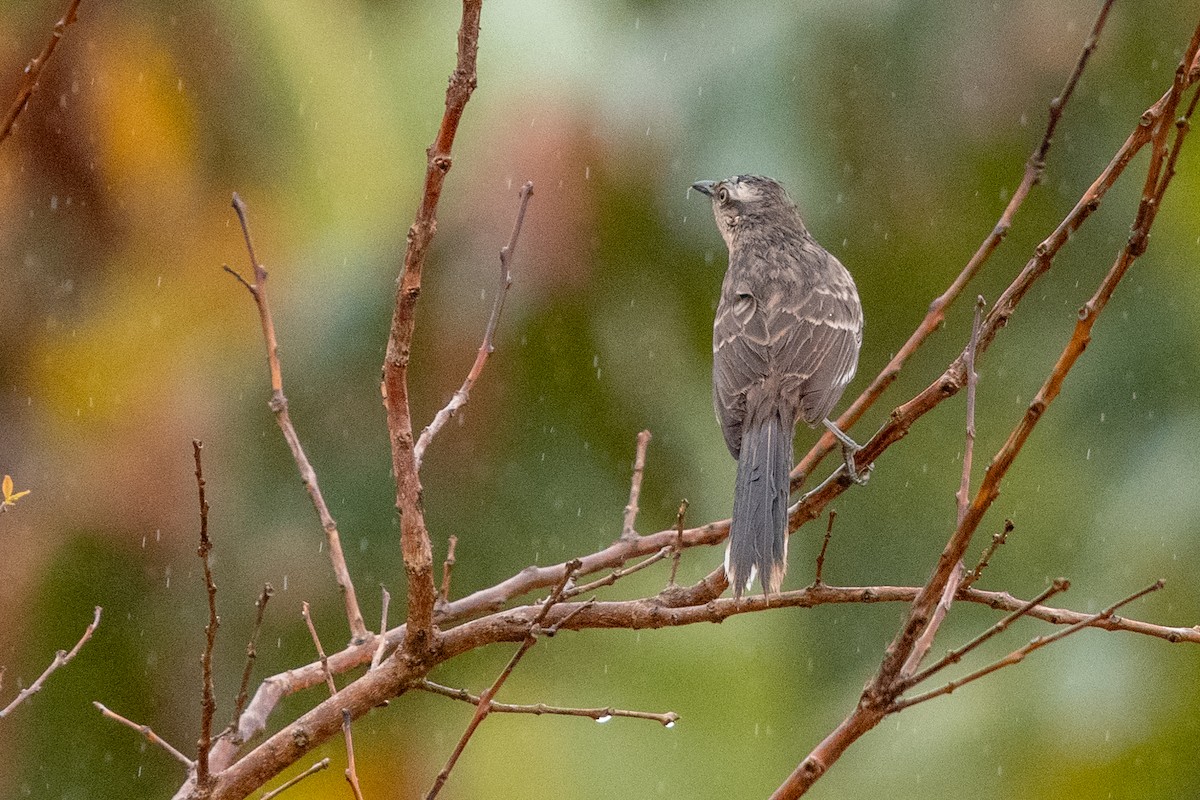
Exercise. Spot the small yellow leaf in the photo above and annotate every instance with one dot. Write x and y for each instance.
(10, 498)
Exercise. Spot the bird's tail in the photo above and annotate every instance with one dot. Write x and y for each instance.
(758, 532)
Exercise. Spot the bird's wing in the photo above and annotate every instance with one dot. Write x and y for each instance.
(819, 334)
(741, 356)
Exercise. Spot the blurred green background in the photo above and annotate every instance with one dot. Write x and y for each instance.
(901, 128)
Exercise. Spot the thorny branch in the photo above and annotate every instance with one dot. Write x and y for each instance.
(279, 405)
(33, 71)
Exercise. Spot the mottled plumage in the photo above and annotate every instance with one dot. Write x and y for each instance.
(785, 343)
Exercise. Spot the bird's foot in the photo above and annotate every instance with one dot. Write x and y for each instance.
(849, 449)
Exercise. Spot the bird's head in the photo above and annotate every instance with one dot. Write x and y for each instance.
(744, 203)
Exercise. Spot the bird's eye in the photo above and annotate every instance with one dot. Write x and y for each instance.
(722, 194)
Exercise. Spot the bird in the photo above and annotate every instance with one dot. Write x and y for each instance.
(786, 338)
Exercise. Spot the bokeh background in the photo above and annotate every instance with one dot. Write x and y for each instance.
(901, 128)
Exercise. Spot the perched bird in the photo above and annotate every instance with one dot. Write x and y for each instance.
(785, 344)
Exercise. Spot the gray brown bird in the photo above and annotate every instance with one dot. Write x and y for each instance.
(785, 344)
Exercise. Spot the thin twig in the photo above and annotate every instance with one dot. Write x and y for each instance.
(416, 550)
(447, 569)
(312, 630)
(1034, 168)
(963, 500)
(599, 714)
(1018, 655)
(488, 345)
(61, 658)
(351, 769)
(243, 695)
(616, 575)
(485, 702)
(315, 768)
(208, 706)
(954, 656)
(824, 546)
(383, 621)
(145, 731)
(677, 546)
(635, 486)
(33, 71)
(279, 406)
(998, 539)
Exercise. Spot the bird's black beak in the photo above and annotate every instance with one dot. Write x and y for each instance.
(704, 187)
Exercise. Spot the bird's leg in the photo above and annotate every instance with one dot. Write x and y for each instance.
(849, 448)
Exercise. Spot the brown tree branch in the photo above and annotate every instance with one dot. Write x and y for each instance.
(1034, 168)
(33, 71)
(962, 499)
(667, 720)
(208, 705)
(61, 659)
(878, 697)
(635, 486)
(484, 707)
(414, 537)
(351, 769)
(998, 539)
(314, 769)
(489, 335)
(145, 731)
(279, 406)
(396, 675)
(260, 606)
(1018, 655)
(954, 656)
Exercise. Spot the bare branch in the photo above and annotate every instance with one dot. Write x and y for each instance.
(1034, 168)
(260, 606)
(954, 656)
(414, 537)
(677, 545)
(489, 335)
(447, 569)
(145, 731)
(351, 769)
(962, 498)
(33, 71)
(599, 714)
(635, 486)
(1017, 656)
(208, 707)
(315, 768)
(484, 706)
(279, 406)
(824, 546)
(998, 539)
(383, 620)
(617, 574)
(61, 658)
